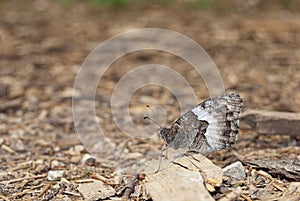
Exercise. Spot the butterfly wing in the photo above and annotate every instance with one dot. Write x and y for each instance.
(186, 129)
(210, 126)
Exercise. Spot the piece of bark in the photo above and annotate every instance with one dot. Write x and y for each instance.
(183, 179)
(271, 122)
(10, 104)
(129, 188)
(95, 190)
(289, 168)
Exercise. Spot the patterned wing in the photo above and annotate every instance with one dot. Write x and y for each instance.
(221, 113)
(185, 130)
(210, 126)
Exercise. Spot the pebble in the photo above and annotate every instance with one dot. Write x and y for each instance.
(1, 141)
(55, 174)
(235, 171)
(18, 145)
(87, 158)
(76, 150)
(56, 163)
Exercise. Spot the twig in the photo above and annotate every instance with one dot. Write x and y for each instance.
(26, 191)
(8, 149)
(246, 197)
(45, 189)
(129, 188)
(264, 174)
(4, 197)
(22, 166)
(10, 104)
(25, 178)
(99, 177)
(71, 193)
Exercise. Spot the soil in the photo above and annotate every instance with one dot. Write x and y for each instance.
(44, 43)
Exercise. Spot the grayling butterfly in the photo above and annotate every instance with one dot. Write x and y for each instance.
(210, 126)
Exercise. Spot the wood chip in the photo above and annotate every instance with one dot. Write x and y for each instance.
(95, 190)
(290, 168)
(8, 149)
(100, 177)
(24, 178)
(11, 104)
(197, 162)
(44, 190)
(4, 197)
(271, 122)
(182, 179)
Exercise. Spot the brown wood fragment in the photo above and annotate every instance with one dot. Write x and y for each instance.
(182, 179)
(27, 191)
(129, 188)
(24, 178)
(21, 166)
(290, 168)
(4, 197)
(45, 189)
(15, 103)
(212, 174)
(271, 122)
(99, 177)
(95, 190)
(246, 197)
(8, 149)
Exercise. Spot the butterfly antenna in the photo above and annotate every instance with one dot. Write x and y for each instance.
(148, 106)
(153, 121)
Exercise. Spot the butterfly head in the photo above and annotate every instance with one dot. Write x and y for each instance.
(164, 133)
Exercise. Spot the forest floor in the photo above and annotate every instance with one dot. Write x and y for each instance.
(44, 43)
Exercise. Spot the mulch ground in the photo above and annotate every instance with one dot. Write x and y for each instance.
(44, 43)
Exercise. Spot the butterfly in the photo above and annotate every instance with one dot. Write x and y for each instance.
(210, 126)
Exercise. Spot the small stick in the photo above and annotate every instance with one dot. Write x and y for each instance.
(246, 197)
(100, 177)
(44, 190)
(26, 191)
(129, 188)
(10, 104)
(8, 149)
(71, 193)
(21, 179)
(4, 197)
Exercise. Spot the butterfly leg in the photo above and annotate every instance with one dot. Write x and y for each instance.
(165, 148)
